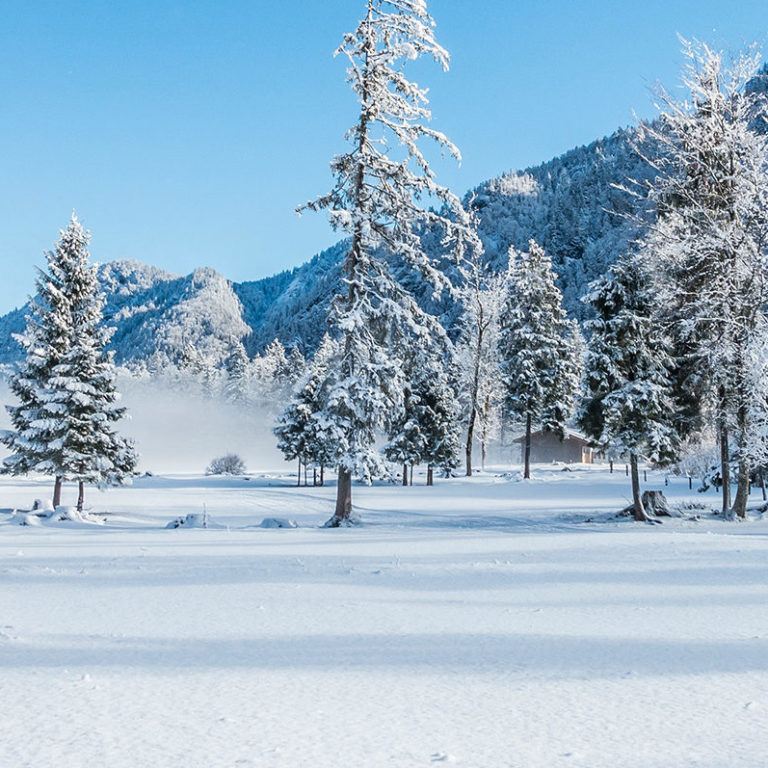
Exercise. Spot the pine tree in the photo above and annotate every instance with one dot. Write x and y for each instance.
(439, 415)
(426, 429)
(63, 425)
(237, 364)
(301, 435)
(539, 351)
(295, 365)
(711, 196)
(379, 183)
(406, 444)
(629, 406)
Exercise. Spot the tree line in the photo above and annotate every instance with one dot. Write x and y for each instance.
(676, 329)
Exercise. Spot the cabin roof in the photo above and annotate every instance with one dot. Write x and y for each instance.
(570, 434)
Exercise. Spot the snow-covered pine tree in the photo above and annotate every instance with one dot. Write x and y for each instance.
(439, 413)
(711, 194)
(629, 406)
(237, 367)
(539, 355)
(406, 444)
(64, 424)
(197, 372)
(379, 184)
(276, 362)
(481, 294)
(37, 431)
(426, 429)
(300, 434)
(295, 365)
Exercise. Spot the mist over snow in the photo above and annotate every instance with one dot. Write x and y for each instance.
(179, 431)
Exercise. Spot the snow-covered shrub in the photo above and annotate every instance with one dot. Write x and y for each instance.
(231, 464)
(278, 522)
(194, 520)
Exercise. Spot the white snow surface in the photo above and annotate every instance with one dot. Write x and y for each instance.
(481, 622)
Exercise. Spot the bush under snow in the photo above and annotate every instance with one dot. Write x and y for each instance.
(231, 464)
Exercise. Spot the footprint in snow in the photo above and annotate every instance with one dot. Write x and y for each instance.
(442, 757)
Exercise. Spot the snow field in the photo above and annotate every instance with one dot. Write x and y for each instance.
(478, 623)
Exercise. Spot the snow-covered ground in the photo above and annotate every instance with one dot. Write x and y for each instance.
(481, 622)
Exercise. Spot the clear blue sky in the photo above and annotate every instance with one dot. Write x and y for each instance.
(184, 133)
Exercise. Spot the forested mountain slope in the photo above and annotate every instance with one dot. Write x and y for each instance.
(570, 205)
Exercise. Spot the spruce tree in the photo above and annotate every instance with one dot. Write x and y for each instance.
(407, 445)
(237, 365)
(427, 427)
(64, 424)
(538, 348)
(629, 405)
(301, 434)
(439, 414)
(379, 184)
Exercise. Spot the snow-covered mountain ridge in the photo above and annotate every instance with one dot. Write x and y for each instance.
(563, 203)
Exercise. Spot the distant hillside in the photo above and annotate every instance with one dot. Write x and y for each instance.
(567, 204)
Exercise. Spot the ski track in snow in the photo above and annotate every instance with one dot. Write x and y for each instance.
(478, 623)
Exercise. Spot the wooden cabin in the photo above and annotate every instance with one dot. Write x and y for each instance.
(547, 447)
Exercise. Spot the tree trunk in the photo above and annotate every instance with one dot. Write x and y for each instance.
(322, 475)
(725, 469)
(305, 474)
(484, 434)
(527, 470)
(298, 475)
(80, 495)
(314, 477)
(343, 513)
(742, 488)
(762, 482)
(468, 449)
(473, 400)
(430, 480)
(638, 511)
(411, 474)
(405, 474)
(57, 492)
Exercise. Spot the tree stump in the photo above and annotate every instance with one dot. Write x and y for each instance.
(655, 503)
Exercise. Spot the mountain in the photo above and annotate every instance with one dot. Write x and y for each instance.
(570, 205)
(156, 315)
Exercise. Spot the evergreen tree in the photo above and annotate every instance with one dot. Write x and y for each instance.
(407, 445)
(538, 348)
(295, 365)
(439, 415)
(711, 196)
(629, 406)
(379, 183)
(426, 429)
(64, 424)
(301, 435)
(237, 386)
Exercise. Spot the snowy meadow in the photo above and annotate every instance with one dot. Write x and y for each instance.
(515, 616)
(485, 621)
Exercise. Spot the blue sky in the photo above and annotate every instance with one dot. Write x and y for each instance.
(184, 133)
